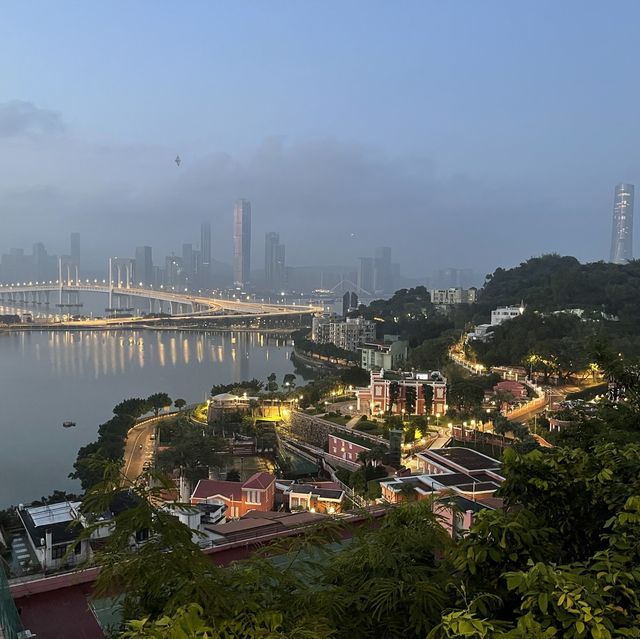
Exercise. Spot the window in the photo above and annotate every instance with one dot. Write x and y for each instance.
(58, 552)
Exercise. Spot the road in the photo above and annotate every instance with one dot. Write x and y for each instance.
(138, 447)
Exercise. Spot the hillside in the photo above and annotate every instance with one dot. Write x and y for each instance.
(554, 282)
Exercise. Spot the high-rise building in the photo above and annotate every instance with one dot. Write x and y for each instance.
(204, 262)
(274, 265)
(75, 248)
(622, 232)
(382, 269)
(144, 266)
(189, 263)
(174, 271)
(242, 243)
(366, 276)
(349, 302)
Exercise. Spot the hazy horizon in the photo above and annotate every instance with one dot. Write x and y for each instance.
(468, 135)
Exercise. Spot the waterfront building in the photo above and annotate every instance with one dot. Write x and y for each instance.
(274, 263)
(391, 354)
(242, 243)
(399, 392)
(622, 230)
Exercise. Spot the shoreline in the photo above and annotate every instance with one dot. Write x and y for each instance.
(145, 327)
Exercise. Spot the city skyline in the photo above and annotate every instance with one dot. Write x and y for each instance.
(523, 168)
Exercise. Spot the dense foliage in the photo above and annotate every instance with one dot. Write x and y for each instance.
(607, 293)
(561, 560)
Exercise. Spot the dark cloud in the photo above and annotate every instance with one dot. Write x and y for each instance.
(24, 118)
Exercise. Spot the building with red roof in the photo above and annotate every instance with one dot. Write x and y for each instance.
(257, 493)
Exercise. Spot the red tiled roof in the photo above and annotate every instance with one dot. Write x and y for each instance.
(260, 480)
(207, 488)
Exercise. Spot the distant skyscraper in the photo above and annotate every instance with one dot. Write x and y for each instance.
(75, 248)
(144, 266)
(242, 243)
(622, 232)
(189, 262)
(366, 276)
(174, 271)
(274, 267)
(382, 266)
(349, 302)
(204, 261)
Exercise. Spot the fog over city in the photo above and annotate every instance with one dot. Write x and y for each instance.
(451, 135)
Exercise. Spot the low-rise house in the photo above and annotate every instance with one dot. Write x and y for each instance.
(516, 389)
(257, 493)
(456, 459)
(52, 530)
(321, 497)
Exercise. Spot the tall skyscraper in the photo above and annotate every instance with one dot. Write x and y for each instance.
(382, 266)
(622, 232)
(144, 266)
(204, 262)
(366, 277)
(242, 243)
(274, 267)
(189, 263)
(75, 248)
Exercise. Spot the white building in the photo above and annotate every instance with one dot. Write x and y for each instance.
(52, 535)
(391, 354)
(505, 313)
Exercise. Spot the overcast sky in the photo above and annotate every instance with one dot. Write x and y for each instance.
(470, 134)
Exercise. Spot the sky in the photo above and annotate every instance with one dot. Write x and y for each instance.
(466, 134)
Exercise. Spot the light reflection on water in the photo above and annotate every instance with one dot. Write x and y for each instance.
(48, 377)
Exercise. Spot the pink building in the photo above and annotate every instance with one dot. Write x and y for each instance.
(345, 449)
(257, 493)
(395, 392)
(518, 390)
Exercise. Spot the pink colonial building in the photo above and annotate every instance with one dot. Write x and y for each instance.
(345, 449)
(398, 392)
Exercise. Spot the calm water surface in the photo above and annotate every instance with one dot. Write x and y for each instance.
(47, 378)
